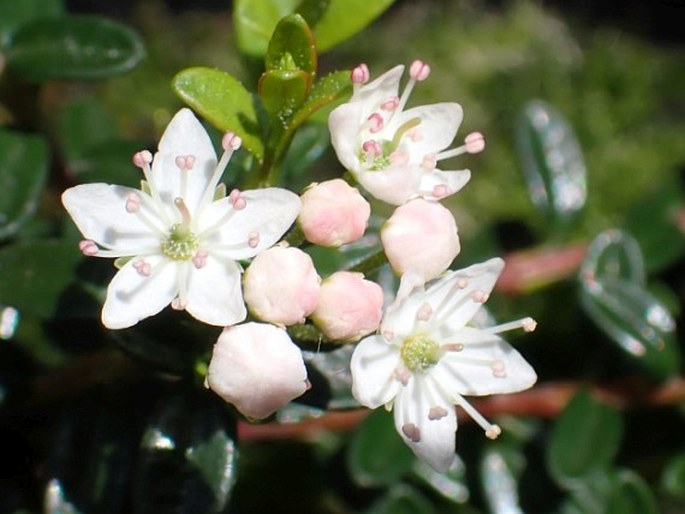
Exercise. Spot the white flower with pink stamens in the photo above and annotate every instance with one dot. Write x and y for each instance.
(179, 238)
(429, 353)
(392, 151)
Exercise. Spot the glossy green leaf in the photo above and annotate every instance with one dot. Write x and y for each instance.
(73, 48)
(636, 321)
(673, 478)
(224, 101)
(255, 21)
(292, 47)
(451, 485)
(631, 495)
(82, 125)
(590, 494)
(282, 93)
(403, 499)
(499, 482)
(327, 89)
(35, 275)
(15, 13)
(187, 461)
(552, 161)
(344, 18)
(308, 144)
(108, 162)
(656, 223)
(585, 439)
(613, 255)
(23, 173)
(377, 455)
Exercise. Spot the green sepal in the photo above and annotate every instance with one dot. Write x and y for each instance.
(224, 101)
(73, 48)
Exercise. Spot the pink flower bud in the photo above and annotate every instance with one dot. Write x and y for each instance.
(257, 368)
(349, 307)
(281, 286)
(333, 213)
(420, 236)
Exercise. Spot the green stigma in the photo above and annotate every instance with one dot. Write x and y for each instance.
(181, 244)
(419, 353)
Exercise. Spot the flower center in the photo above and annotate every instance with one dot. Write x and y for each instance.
(419, 353)
(378, 154)
(181, 244)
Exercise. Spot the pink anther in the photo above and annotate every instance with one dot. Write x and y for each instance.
(441, 191)
(419, 70)
(142, 267)
(142, 159)
(424, 312)
(375, 123)
(437, 412)
(411, 432)
(88, 247)
(391, 105)
(185, 162)
(253, 239)
(429, 162)
(399, 158)
(237, 201)
(372, 148)
(479, 296)
(230, 140)
(474, 142)
(402, 376)
(132, 203)
(179, 304)
(360, 74)
(200, 259)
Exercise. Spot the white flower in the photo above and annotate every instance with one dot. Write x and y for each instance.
(180, 237)
(393, 152)
(429, 354)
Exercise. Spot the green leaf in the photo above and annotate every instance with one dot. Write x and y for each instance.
(308, 144)
(613, 255)
(255, 21)
(553, 163)
(282, 93)
(631, 495)
(108, 162)
(377, 455)
(73, 48)
(35, 274)
(325, 90)
(636, 321)
(585, 439)
(344, 18)
(451, 485)
(82, 125)
(403, 499)
(23, 173)
(292, 47)
(15, 13)
(224, 101)
(187, 460)
(654, 221)
(673, 478)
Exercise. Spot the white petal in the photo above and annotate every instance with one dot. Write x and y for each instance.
(344, 124)
(373, 367)
(439, 125)
(486, 365)
(99, 211)
(214, 295)
(394, 184)
(268, 213)
(412, 409)
(132, 297)
(452, 180)
(371, 95)
(184, 136)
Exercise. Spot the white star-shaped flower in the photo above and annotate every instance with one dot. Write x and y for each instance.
(179, 238)
(393, 152)
(428, 354)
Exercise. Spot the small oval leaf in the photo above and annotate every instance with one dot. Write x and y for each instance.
(73, 48)
(282, 92)
(585, 439)
(403, 499)
(631, 495)
(14, 14)
(224, 101)
(292, 47)
(612, 255)
(552, 161)
(23, 173)
(255, 21)
(499, 483)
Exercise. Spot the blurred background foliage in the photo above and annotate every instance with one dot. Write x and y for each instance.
(95, 422)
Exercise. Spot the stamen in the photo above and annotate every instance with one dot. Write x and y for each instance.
(185, 162)
(498, 368)
(419, 70)
(88, 247)
(372, 148)
(253, 239)
(491, 430)
(179, 304)
(230, 140)
(142, 267)
(429, 162)
(441, 191)
(375, 122)
(452, 347)
(132, 203)
(402, 375)
(474, 142)
(391, 105)
(200, 259)
(399, 158)
(237, 201)
(360, 74)
(527, 324)
(435, 413)
(463, 283)
(142, 159)
(388, 335)
(183, 209)
(412, 432)
(479, 296)
(424, 312)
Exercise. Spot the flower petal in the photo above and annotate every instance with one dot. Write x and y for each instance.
(184, 136)
(214, 295)
(132, 296)
(99, 211)
(373, 367)
(344, 124)
(439, 125)
(371, 95)
(449, 181)
(394, 184)
(267, 214)
(487, 364)
(427, 422)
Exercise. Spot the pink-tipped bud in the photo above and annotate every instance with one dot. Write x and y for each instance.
(421, 236)
(257, 368)
(333, 213)
(88, 247)
(281, 286)
(349, 307)
(474, 142)
(230, 140)
(419, 70)
(360, 74)
(142, 159)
